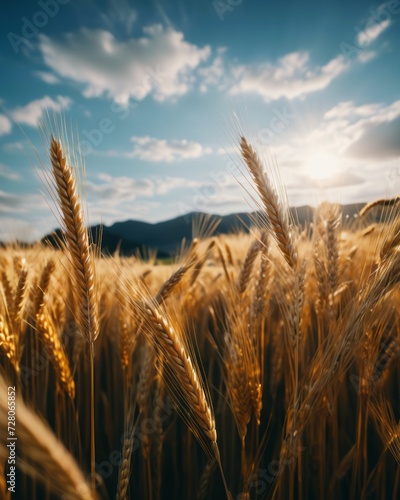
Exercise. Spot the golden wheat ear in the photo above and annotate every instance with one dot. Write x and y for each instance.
(384, 202)
(77, 241)
(276, 213)
(55, 350)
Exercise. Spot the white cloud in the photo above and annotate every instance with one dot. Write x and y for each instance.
(5, 125)
(365, 38)
(32, 112)
(347, 123)
(11, 203)
(152, 149)
(14, 146)
(8, 173)
(366, 56)
(214, 73)
(290, 77)
(351, 155)
(111, 198)
(119, 14)
(114, 191)
(118, 190)
(374, 25)
(12, 228)
(47, 77)
(160, 150)
(159, 64)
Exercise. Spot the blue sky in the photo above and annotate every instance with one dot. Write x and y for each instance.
(157, 93)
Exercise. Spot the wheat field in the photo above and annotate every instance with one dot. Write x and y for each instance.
(260, 365)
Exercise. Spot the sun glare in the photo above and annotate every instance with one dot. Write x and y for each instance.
(321, 165)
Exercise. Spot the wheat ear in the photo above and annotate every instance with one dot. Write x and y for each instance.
(56, 353)
(247, 267)
(16, 316)
(77, 240)
(276, 215)
(7, 343)
(385, 202)
(43, 286)
(184, 382)
(175, 279)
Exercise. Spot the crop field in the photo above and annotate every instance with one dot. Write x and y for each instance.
(254, 366)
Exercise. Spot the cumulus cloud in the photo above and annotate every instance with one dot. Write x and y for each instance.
(376, 22)
(116, 190)
(160, 63)
(378, 141)
(214, 73)
(152, 149)
(14, 146)
(348, 124)
(5, 125)
(119, 14)
(8, 173)
(351, 154)
(365, 38)
(161, 150)
(114, 198)
(290, 77)
(335, 180)
(12, 228)
(47, 77)
(11, 203)
(32, 112)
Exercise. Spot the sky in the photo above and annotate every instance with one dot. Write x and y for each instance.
(155, 95)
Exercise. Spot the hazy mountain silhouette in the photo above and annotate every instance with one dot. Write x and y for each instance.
(131, 236)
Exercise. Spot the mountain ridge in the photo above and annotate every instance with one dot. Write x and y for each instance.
(131, 236)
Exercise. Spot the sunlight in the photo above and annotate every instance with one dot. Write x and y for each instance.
(321, 165)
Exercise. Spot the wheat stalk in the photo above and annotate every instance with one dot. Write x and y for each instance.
(77, 240)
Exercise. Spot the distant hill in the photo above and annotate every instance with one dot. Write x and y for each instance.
(166, 237)
(133, 236)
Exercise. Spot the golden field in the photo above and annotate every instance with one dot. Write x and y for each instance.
(260, 365)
